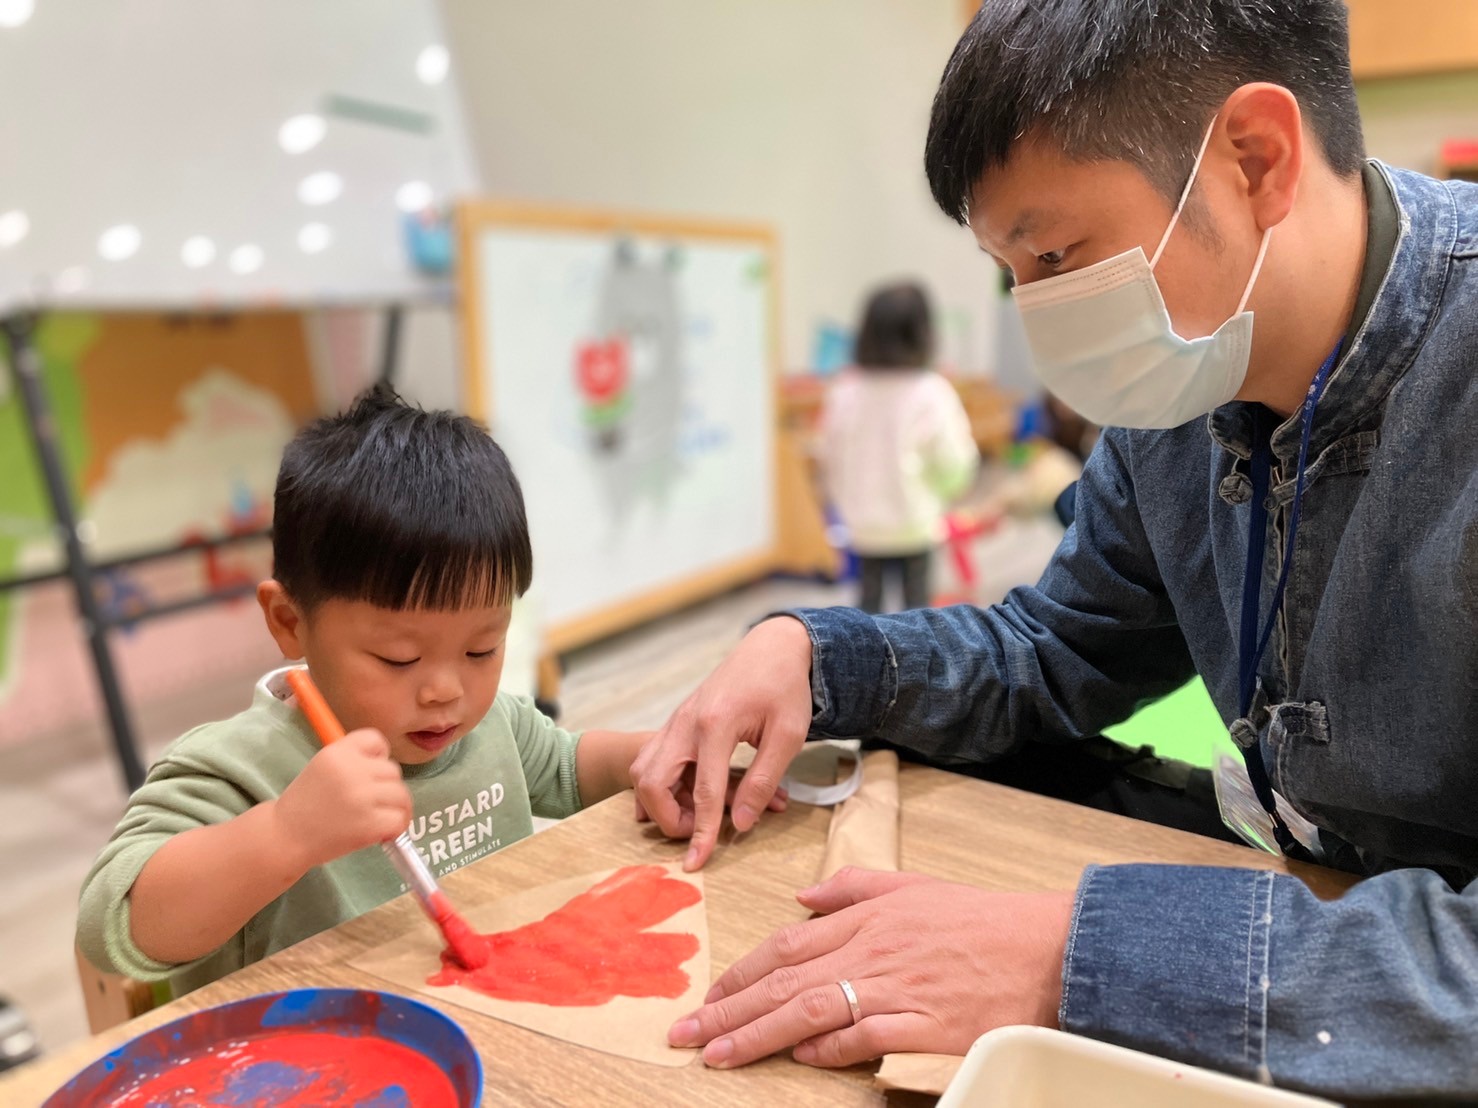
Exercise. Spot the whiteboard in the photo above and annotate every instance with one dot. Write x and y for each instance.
(628, 369)
(134, 127)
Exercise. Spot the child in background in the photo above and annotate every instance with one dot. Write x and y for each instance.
(896, 446)
(400, 543)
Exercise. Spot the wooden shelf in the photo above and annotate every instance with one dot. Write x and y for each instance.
(1398, 38)
(1394, 38)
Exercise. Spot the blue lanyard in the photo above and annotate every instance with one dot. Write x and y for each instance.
(1252, 644)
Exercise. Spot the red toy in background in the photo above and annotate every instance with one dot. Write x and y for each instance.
(602, 376)
(1459, 158)
(223, 573)
(602, 369)
(962, 529)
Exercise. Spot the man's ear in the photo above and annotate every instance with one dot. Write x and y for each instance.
(1264, 127)
(284, 618)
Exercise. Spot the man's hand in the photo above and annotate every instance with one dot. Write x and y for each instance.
(761, 695)
(778, 803)
(934, 965)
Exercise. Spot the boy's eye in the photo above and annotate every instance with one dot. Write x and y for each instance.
(1052, 259)
(480, 654)
(397, 662)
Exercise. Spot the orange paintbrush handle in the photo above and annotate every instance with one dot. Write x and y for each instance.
(311, 701)
(466, 946)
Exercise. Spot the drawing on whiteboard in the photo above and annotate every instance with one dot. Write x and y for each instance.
(630, 375)
(602, 372)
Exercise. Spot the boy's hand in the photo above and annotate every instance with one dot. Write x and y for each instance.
(350, 795)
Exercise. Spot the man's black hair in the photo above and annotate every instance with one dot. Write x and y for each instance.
(897, 329)
(400, 507)
(1132, 80)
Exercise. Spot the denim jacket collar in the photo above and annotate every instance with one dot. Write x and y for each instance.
(1387, 341)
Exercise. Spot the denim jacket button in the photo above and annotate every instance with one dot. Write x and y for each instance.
(1235, 488)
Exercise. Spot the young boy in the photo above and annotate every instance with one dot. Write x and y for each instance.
(399, 542)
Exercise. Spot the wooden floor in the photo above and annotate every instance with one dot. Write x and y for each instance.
(61, 795)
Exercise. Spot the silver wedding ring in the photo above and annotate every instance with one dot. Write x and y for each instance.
(851, 995)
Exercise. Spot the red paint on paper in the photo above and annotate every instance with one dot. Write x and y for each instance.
(591, 950)
(296, 1069)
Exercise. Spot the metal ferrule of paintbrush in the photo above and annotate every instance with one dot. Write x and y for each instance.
(413, 871)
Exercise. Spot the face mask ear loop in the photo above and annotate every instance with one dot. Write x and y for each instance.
(1262, 252)
(1185, 194)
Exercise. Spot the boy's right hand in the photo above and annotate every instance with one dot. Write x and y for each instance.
(349, 796)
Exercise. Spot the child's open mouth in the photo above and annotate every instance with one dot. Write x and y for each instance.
(432, 740)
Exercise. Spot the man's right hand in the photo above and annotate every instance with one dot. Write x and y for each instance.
(760, 694)
(350, 795)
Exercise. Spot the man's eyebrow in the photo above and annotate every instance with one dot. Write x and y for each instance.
(1030, 221)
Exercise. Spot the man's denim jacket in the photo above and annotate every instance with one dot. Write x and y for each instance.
(1367, 713)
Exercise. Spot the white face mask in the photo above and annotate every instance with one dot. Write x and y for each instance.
(1103, 342)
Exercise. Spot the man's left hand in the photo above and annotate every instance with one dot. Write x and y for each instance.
(934, 965)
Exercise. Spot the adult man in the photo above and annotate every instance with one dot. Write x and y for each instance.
(1110, 153)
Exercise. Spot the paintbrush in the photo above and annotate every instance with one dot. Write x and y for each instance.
(466, 945)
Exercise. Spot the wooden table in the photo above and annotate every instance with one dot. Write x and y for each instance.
(952, 827)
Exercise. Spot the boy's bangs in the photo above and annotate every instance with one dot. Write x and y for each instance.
(438, 559)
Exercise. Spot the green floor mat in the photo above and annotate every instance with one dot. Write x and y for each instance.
(1183, 725)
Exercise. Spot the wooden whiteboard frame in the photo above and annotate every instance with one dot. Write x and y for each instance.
(474, 218)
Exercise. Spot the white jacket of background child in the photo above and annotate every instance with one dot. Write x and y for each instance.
(896, 449)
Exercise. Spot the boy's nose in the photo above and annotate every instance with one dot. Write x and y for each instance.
(441, 689)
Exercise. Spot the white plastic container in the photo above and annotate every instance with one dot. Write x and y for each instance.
(1033, 1067)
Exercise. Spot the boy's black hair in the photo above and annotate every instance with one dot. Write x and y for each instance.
(1132, 80)
(897, 329)
(400, 507)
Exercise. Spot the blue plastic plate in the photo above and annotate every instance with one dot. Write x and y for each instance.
(393, 1018)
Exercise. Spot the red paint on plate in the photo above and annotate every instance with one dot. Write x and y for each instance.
(298, 1068)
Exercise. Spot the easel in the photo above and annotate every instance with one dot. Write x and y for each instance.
(25, 364)
(799, 540)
